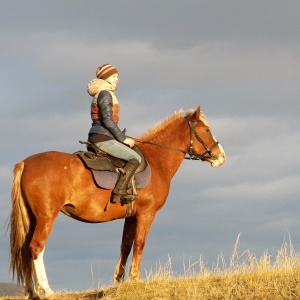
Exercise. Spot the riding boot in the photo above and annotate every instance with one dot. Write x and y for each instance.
(120, 190)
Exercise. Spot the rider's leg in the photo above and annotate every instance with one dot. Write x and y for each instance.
(120, 190)
(122, 151)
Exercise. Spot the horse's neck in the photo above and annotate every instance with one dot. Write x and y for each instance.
(166, 159)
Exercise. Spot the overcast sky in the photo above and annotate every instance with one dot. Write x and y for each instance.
(239, 60)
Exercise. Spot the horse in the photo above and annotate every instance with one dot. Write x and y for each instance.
(47, 183)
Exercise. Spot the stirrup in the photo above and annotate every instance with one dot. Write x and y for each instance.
(124, 198)
(116, 197)
(127, 198)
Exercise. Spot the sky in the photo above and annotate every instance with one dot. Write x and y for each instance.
(238, 60)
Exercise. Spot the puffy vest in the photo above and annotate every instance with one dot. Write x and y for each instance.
(96, 113)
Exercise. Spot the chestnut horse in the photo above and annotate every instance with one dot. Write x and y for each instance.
(52, 182)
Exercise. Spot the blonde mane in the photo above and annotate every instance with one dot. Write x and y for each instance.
(159, 127)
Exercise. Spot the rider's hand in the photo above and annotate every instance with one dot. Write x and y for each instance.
(129, 142)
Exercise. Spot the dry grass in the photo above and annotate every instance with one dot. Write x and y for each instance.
(245, 277)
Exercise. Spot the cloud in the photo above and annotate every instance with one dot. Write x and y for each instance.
(170, 24)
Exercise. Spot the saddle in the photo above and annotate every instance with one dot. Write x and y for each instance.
(106, 168)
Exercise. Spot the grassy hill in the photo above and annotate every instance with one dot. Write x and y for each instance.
(245, 277)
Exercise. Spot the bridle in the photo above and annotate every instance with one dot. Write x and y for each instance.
(208, 150)
(207, 154)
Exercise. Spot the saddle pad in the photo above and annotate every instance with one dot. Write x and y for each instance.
(107, 180)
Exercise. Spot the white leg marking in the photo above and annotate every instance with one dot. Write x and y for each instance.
(40, 275)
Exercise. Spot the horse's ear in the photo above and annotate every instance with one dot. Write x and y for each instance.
(197, 113)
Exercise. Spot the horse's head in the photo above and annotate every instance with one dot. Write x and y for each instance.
(203, 144)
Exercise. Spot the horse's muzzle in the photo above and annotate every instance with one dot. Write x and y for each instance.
(219, 161)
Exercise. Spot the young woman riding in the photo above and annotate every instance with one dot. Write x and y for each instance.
(105, 133)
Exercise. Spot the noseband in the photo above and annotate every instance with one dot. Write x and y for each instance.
(208, 150)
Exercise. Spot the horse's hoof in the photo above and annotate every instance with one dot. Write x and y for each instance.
(118, 280)
(33, 296)
(51, 297)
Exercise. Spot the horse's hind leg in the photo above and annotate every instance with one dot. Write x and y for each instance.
(29, 286)
(127, 241)
(37, 246)
(41, 277)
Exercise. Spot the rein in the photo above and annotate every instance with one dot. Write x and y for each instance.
(192, 156)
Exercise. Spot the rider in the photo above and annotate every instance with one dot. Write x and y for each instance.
(105, 133)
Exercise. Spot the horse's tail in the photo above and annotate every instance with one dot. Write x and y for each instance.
(21, 261)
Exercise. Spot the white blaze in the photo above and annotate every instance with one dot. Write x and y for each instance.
(221, 158)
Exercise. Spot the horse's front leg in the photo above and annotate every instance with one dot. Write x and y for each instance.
(144, 222)
(127, 241)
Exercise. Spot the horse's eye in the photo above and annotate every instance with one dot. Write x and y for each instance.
(207, 130)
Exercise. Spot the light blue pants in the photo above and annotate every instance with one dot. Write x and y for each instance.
(119, 150)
